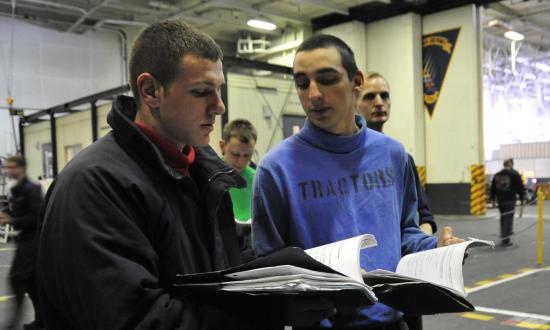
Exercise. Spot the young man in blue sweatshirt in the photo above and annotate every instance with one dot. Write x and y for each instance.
(337, 179)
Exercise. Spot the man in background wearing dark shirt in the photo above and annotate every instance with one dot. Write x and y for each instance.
(505, 188)
(22, 214)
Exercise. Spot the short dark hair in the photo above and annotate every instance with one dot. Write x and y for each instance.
(328, 41)
(373, 75)
(19, 160)
(160, 47)
(508, 162)
(241, 129)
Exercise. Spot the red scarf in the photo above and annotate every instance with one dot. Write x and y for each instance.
(179, 160)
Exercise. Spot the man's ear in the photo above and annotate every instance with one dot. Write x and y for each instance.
(358, 82)
(150, 90)
(222, 146)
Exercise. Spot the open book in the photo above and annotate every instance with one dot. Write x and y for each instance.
(427, 282)
(331, 270)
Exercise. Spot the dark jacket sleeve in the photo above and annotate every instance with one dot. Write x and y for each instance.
(98, 267)
(520, 188)
(424, 213)
(493, 190)
(26, 215)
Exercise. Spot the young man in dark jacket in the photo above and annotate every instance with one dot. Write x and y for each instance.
(149, 201)
(22, 214)
(505, 189)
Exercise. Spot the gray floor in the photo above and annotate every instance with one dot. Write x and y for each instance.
(530, 294)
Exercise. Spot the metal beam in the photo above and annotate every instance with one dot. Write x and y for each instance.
(86, 15)
(66, 107)
(53, 134)
(328, 5)
(56, 5)
(238, 5)
(21, 138)
(93, 114)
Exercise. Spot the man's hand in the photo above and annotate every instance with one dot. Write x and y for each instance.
(307, 311)
(4, 218)
(426, 228)
(446, 237)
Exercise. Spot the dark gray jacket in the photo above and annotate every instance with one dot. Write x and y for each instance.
(119, 224)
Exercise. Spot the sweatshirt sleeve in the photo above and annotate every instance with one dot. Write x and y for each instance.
(100, 269)
(269, 224)
(412, 238)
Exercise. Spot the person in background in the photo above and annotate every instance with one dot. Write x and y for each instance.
(149, 201)
(336, 179)
(22, 214)
(506, 187)
(374, 105)
(238, 144)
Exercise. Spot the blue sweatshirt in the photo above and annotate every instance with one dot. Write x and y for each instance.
(316, 188)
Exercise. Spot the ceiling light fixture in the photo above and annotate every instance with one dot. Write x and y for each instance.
(261, 23)
(513, 35)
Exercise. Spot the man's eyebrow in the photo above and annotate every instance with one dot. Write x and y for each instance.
(326, 70)
(207, 82)
(320, 71)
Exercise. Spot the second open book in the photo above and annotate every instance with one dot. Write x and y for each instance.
(426, 282)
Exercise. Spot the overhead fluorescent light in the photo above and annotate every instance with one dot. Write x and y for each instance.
(530, 76)
(513, 35)
(261, 23)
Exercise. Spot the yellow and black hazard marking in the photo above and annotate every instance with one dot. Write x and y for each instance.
(422, 175)
(478, 201)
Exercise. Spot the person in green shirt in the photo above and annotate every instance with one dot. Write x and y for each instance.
(237, 145)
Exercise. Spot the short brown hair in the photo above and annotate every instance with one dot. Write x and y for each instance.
(19, 160)
(241, 129)
(160, 47)
(373, 74)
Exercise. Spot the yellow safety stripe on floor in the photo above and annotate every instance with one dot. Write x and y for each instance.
(6, 249)
(503, 277)
(478, 202)
(484, 282)
(527, 325)
(5, 298)
(422, 174)
(476, 316)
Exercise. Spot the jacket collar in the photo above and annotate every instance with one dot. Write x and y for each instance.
(207, 166)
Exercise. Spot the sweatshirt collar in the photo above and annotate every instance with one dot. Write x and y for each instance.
(334, 143)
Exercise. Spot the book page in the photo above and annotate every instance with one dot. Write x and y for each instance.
(442, 266)
(344, 256)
